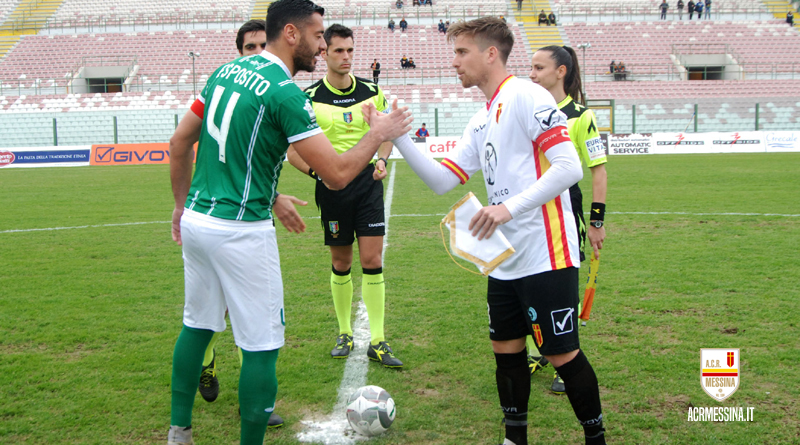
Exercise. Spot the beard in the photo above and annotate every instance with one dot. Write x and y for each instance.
(305, 58)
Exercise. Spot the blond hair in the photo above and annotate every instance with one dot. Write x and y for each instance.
(486, 31)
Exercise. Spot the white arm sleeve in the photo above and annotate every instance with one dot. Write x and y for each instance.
(436, 176)
(565, 171)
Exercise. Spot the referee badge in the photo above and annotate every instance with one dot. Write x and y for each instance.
(348, 117)
(333, 227)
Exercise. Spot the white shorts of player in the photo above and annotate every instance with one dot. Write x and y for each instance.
(233, 265)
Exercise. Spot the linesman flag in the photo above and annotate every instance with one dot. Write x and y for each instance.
(591, 287)
(486, 254)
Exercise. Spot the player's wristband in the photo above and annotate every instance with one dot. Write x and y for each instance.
(313, 174)
(598, 212)
(385, 162)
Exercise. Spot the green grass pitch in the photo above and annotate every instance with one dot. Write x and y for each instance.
(89, 316)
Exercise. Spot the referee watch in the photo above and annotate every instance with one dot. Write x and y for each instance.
(597, 214)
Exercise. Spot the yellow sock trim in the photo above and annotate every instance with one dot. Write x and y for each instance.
(210, 349)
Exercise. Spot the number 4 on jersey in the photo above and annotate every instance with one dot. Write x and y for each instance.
(221, 134)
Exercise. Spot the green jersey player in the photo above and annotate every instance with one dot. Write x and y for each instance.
(252, 111)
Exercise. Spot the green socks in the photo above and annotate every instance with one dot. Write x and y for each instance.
(373, 290)
(187, 364)
(258, 386)
(342, 290)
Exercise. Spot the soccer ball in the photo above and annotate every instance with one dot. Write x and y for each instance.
(370, 410)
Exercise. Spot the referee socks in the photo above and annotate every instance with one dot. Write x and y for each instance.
(373, 291)
(342, 291)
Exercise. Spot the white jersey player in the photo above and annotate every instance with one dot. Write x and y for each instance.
(521, 143)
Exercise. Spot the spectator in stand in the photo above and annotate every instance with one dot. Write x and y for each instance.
(441, 27)
(680, 9)
(415, 3)
(391, 25)
(519, 5)
(690, 9)
(422, 132)
(399, 4)
(376, 70)
(698, 8)
(790, 18)
(612, 68)
(411, 63)
(446, 25)
(403, 24)
(664, 6)
(404, 62)
(542, 18)
(551, 19)
(708, 9)
(623, 73)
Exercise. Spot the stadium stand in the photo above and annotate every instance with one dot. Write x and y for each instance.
(84, 12)
(159, 85)
(621, 8)
(6, 6)
(649, 49)
(161, 61)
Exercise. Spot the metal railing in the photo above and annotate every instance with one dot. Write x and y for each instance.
(592, 72)
(147, 126)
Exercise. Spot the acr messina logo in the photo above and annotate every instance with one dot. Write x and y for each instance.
(6, 158)
(719, 372)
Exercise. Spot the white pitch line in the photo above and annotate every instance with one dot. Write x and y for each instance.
(84, 227)
(408, 215)
(334, 429)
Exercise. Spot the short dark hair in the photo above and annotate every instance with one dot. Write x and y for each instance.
(486, 31)
(337, 30)
(254, 25)
(283, 12)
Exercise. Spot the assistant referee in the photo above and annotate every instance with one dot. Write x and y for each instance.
(556, 69)
(357, 210)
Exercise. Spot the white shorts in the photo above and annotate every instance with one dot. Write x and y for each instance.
(233, 265)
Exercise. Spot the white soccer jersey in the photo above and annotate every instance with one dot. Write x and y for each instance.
(508, 141)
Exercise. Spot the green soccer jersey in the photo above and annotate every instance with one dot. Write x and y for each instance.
(339, 112)
(253, 111)
(582, 128)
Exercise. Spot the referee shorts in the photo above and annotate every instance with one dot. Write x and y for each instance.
(356, 210)
(543, 305)
(233, 265)
(576, 198)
